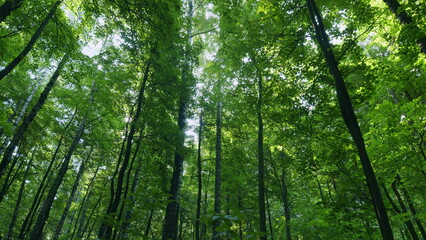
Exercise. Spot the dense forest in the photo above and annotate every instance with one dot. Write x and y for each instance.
(213, 119)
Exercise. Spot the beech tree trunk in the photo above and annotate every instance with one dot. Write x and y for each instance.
(408, 223)
(18, 201)
(350, 119)
(37, 198)
(8, 7)
(171, 219)
(406, 19)
(286, 206)
(260, 158)
(411, 206)
(106, 229)
(30, 44)
(130, 201)
(71, 198)
(44, 213)
(84, 205)
(200, 180)
(218, 170)
(170, 228)
(19, 134)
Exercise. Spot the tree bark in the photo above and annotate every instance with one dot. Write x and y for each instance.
(170, 228)
(408, 223)
(171, 218)
(84, 205)
(123, 234)
(286, 206)
(107, 228)
(271, 229)
(350, 119)
(406, 19)
(44, 213)
(8, 7)
(19, 134)
(199, 179)
(30, 44)
(37, 198)
(18, 201)
(218, 170)
(411, 207)
(260, 158)
(71, 198)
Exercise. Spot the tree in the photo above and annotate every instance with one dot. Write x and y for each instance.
(349, 117)
(4, 72)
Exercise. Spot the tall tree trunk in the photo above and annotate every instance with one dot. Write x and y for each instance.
(11, 175)
(44, 213)
(406, 19)
(71, 197)
(30, 44)
(19, 134)
(170, 228)
(84, 205)
(203, 230)
(7, 8)
(107, 228)
(408, 223)
(286, 205)
(268, 208)
(123, 234)
(46, 177)
(199, 179)
(350, 119)
(260, 159)
(218, 170)
(171, 218)
(148, 224)
(411, 206)
(18, 201)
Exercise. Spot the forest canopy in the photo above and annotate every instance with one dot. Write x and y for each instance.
(212, 119)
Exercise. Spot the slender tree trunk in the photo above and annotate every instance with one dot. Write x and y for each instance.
(203, 231)
(200, 180)
(171, 218)
(8, 181)
(82, 210)
(148, 224)
(7, 8)
(91, 215)
(406, 19)
(286, 206)
(218, 170)
(106, 229)
(350, 119)
(411, 206)
(409, 224)
(71, 198)
(30, 44)
(170, 228)
(43, 215)
(18, 201)
(268, 207)
(19, 134)
(131, 200)
(37, 198)
(260, 158)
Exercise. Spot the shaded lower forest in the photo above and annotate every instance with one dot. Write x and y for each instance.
(212, 119)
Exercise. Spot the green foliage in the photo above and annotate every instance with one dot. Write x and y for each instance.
(231, 44)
